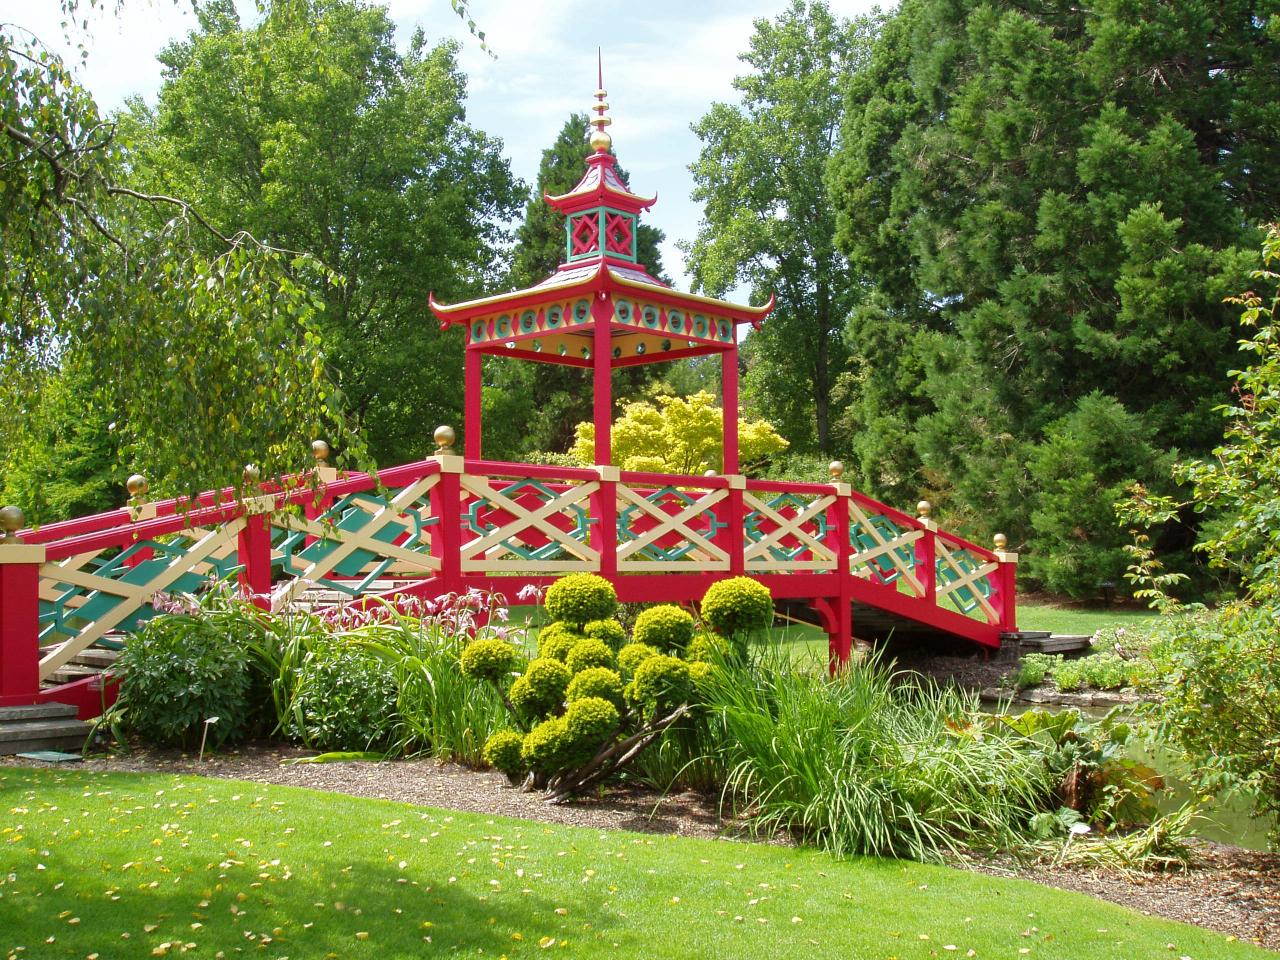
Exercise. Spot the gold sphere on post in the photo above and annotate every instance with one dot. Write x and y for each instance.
(711, 473)
(923, 509)
(12, 519)
(836, 467)
(1001, 541)
(445, 438)
(137, 485)
(600, 140)
(251, 474)
(320, 450)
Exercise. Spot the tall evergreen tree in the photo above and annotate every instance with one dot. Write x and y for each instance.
(1053, 201)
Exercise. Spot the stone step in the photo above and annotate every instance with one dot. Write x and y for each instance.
(1059, 643)
(71, 672)
(1021, 635)
(23, 736)
(96, 657)
(38, 711)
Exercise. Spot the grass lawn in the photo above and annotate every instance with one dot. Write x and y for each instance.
(141, 865)
(1076, 620)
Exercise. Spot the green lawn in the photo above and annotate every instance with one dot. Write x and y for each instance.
(121, 865)
(1075, 620)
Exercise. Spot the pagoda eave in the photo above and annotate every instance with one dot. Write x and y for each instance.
(740, 312)
(515, 300)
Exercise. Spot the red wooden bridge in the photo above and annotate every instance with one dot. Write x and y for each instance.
(451, 523)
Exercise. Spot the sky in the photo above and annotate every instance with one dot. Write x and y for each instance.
(665, 63)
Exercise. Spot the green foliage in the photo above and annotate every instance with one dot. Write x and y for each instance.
(681, 435)
(589, 720)
(768, 220)
(610, 631)
(707, 648)
(596, 682)
(502, 751)
(659, 683)
(664, 627)
(1033, 670)
(344, 699)
(556, 639)
(489, 659)
(545, 747)
(180, 670)
(541, 688)
(589, 653)
(1069, 675)
(737, 606)
(580, 598)
(632, 655)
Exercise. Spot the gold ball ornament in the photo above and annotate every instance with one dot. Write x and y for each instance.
(600, 140)
(320, 450)
(1001, 541)
(445, 437)
(836, 467)
(924, 508)
(137, 485)
(12, 519)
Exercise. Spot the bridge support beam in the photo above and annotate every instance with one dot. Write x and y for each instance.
(20, 622)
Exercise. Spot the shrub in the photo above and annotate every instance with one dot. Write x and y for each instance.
(556, 639)
(737, 606)
(580, 598)
(596, 682)
(589, 653)
(1033, 670)
(590, 720)
(701, 674)
(665, 627)
(1106, 671)
(502, 751)
(1069, 675)
(544, 746)
(345, 699)
(659, 682)
(632, 655)
(610, 631)
(489, 659)
(707, 648)
(178, 671)
(541, 689)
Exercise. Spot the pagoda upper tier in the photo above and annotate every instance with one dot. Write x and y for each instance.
(600, 281)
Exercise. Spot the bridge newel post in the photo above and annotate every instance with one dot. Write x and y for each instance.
(737, 523)
(317, 505)
(1005, 582)
(140, 510)
(19, 611)
(604, 535)
(253, 549)
(841, 647)
(446, 507)
(926, 551)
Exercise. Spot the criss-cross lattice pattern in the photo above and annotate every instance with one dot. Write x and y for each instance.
(527, 526)
(669, 528)
(585, 234)
(963, 579)
(787, 532)
(618, 234)
(883, 550)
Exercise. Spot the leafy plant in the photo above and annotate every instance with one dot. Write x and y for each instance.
(345, 699)
(736, 607)
(580, 598)
(664, 627)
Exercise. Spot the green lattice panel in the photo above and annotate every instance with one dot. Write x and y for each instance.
(964, 598)
(818, 526)
(531, 495)
(633, 523)
(883, 566)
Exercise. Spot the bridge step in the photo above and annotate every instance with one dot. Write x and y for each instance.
(24, 729)
(1058, 643)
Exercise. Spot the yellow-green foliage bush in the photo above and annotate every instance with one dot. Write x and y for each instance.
(544, 746)
(589, 653)
(632, 655)
(589, 721)
(542, 687)
(665, 627)
(580, 598)
(737, 606)
(489, 659)
(596, 682)
(660, 682)
(556, 639)
(502, 751)
(610, 631)
(706, 648)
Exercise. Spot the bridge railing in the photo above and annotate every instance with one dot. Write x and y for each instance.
(450, 523)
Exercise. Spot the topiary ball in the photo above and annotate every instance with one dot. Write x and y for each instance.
(591, 718)
(632, 655)
(489, 659)
(543, 748)
(580, 598)
(556, 639)
(502, 752)
(665, 627)
(596, 682)
(702, 675)
(706, 648)
(589, 653)
(541, 689)
(610, 631)
(737, 606)
(660, 682)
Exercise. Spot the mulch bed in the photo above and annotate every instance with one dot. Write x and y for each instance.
(1233, 891)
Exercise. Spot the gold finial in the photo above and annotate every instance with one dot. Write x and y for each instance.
(444, 441)
(12, 519)
(923, 509)
(1001, 541)
(137, 485)
(320, 450)
(598, 138)
(251, 474)
(711, 473)
(836, 467)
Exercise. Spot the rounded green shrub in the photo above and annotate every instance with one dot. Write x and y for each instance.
(665, 627)
(345, 698)
(589, 653)
(489, 659)
(610, 631)
(580, 598)
(540, 690)
(706, 648)
(701, 674)
(555, 640)
(632, 655)
(502, 752)
(591, 719)
(737, 606)
(596, 682)
(545, 745)
(659, 682)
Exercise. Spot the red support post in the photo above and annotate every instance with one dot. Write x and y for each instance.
(473, 390)
(926, 562)
(842, 640)
(602, 377)
(19, 622)
(736, 519)
(729, 406)
(254, 555)
(604, 535)
(446, 535)
(1005, 583)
